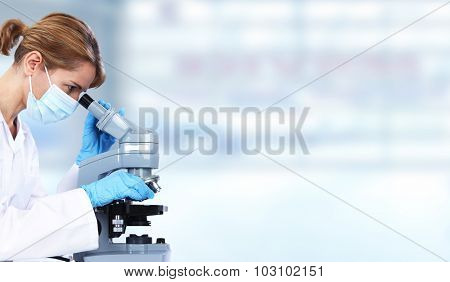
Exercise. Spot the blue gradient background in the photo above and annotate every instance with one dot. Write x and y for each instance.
(378, 130)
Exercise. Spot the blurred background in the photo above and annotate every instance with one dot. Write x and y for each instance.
(378, 130)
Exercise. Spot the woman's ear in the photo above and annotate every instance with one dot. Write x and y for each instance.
(32, 62)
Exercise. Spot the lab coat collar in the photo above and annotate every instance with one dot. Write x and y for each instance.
(17, 143)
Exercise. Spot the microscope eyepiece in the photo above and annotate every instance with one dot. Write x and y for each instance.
(85, 101)
(109, 120)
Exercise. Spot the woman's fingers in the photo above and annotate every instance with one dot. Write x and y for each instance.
(104, 104)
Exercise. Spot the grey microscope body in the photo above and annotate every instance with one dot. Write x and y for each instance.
(137, 152)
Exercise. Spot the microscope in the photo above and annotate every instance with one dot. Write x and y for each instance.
(135, 151)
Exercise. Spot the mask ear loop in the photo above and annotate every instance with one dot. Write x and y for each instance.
(31, 87)
(46, 71)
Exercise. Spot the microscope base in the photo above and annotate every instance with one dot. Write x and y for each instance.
(128, 252)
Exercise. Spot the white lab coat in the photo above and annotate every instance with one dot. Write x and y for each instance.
(32, 223)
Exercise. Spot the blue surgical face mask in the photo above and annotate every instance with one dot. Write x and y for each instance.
(54, 105)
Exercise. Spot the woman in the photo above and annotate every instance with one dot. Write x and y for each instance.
(57, 59)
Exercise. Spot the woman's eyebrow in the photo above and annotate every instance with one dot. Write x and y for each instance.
(77, 85)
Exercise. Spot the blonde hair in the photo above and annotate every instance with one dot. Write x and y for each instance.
(63, 40)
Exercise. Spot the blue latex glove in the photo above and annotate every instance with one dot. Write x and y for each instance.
(95, 141)
(116, 186)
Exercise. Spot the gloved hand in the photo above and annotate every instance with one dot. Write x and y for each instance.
(95, 141)
(116, 186)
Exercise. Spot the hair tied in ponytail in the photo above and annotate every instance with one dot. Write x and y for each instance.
(10, 33)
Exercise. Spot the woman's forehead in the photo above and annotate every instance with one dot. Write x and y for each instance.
(83, 74)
